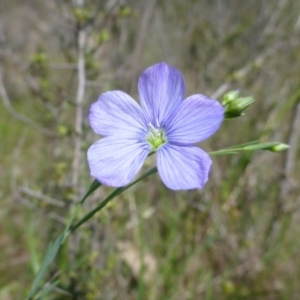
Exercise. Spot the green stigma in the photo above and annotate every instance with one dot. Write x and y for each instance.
(156, 138)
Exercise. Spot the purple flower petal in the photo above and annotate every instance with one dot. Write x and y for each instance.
(164, 123)
(196, 119)
(116, 113)
(115, 162)
(161, 90)
(183, 168)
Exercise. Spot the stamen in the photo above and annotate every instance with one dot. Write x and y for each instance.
(156, 136)
(157, 123)
(152, 127)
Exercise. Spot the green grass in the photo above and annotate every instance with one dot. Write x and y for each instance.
(20, 150)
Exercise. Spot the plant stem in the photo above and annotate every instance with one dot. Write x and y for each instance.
(115, 193)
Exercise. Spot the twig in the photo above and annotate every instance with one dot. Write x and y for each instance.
(16, 115)
(78, 103)
(274, 225)
(291, 156)
(142, 35)
(237, 271)
(41, 197)
(275, 17)
(7, 264)
(241, 73)
(13, 184)
(61, 66)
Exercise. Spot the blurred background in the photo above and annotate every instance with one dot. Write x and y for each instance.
(238, 238)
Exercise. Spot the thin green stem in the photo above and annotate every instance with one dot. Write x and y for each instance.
(92, 188)
(115, 193)
(54, 247)
(251, 146)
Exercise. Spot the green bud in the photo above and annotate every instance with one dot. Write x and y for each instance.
(39, 63)
(228, 287)
(62, 130)
(279, 147)
(103, 36)
(236, 107)
(82, 14)
(270, 146)
(234, 104)
(125, 11)
(230, 96)
(40, 58)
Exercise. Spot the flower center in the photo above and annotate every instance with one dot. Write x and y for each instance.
(156, 137)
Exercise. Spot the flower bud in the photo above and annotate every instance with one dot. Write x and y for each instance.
(228, 287)
(279, 147)
(236, 107)
(269, 146)
(230, 96)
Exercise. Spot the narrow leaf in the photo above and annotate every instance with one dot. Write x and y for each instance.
(45, 291)
(49, 257)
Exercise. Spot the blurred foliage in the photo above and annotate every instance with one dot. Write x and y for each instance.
(237, 238)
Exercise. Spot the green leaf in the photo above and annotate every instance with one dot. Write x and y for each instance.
(35, 258)
(53, 248)
(48, 259)
(48, 289)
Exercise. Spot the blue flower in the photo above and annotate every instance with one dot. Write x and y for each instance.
(164, 123)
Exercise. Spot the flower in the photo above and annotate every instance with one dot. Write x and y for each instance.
(164, 123)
